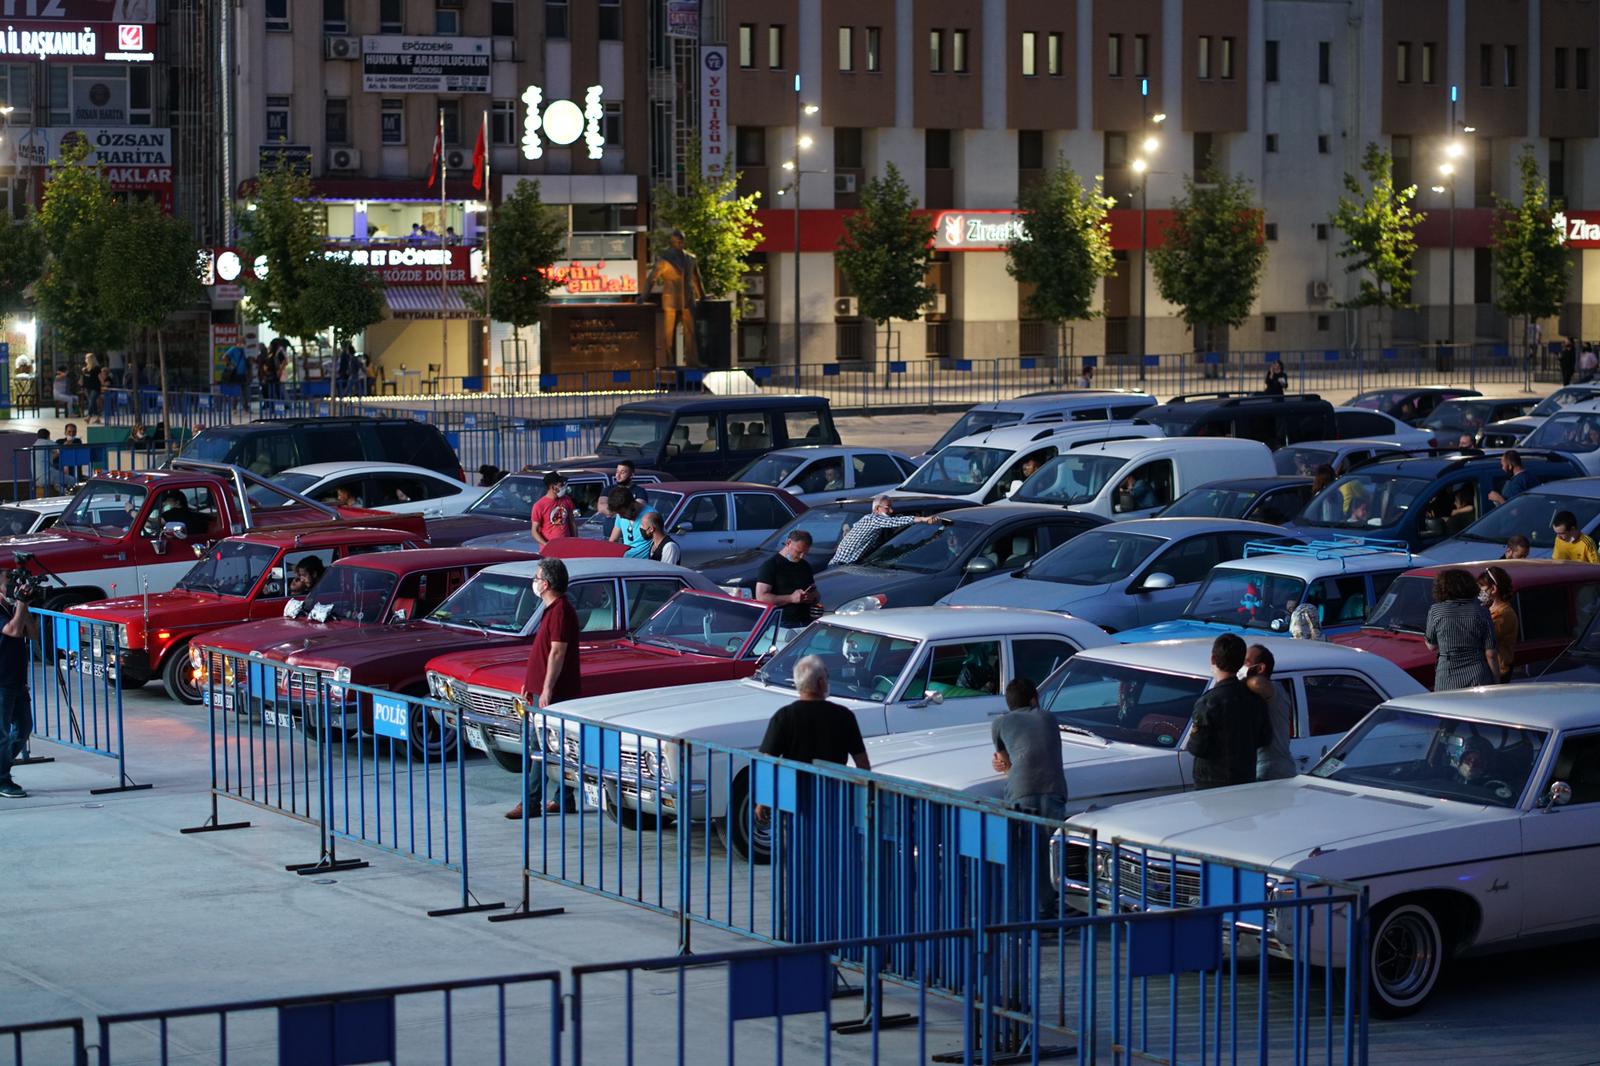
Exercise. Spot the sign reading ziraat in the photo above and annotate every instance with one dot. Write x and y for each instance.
(977, 231)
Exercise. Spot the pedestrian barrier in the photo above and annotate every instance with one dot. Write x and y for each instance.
(76, 691)
(491, 1019)
(45, 1043)
(361, 764)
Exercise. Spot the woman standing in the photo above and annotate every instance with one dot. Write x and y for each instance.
(1460, 631)
(1494, 592)
(1277, 379)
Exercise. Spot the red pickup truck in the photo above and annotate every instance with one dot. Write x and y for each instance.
(240, 579)
(130, 532)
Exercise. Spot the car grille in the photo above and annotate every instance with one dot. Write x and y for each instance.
(482, 701)
(628, 761)
(1152, 881)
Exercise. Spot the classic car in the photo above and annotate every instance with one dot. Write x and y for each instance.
(506, 507)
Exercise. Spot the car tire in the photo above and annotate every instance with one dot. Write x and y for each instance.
(1405, 958)
(741, 834)
(430, 741)
(178, 675)
(509, 761)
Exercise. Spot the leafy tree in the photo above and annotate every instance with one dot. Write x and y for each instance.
(73, 222)
(719, 226)
(281, 228)
(342, 297)
(1066, 251)
(1531, 259)
(528, 238)
(21, 263)
(1211, 256)
(163, 281)
(1380, 235)
(885, 251)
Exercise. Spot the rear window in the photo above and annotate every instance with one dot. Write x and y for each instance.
(416, 444)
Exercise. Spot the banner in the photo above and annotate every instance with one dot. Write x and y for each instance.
(714, 143)
(425, 64)
(683, 19)
(607, 277)
(119, 146)
(62, 42)
(398, 264)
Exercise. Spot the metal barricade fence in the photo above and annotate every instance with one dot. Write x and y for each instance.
(489, 1019)
(57, 1043)
(76, 690)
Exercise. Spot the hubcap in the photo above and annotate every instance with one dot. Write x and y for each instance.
(1404, 957)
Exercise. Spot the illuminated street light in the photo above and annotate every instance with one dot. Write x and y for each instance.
(1151, 143)
(1140, 166)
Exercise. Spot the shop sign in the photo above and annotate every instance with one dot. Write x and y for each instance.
(683, 19)
(607, 277)
(296, 157)
(391, 64)
(1577, 231)
(394, 265)
(107, 42)
(123, 147)
(713, 111)
(977, 231)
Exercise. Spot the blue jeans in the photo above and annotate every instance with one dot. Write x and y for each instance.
(16, 725)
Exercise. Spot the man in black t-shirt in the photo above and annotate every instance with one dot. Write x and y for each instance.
(813, 729)
(787, 578)
(1230, 723)
(16, 713)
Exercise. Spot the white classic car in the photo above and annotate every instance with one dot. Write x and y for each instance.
(897, 669)
(1472, 818)
(1124, 712)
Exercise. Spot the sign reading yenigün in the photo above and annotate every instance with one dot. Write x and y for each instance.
(391, 64)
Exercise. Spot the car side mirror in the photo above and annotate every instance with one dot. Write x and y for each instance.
(932, 698)
(683, 527)
(1157, 581)
(174, 531)
(980, 565)
(1559, 795)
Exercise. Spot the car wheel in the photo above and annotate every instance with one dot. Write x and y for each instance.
(429, 740)
(509, 761)
(740, 832)
(1406, 957)
(177, 673)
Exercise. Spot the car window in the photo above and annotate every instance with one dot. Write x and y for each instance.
(1362, 424)
(1543, 610)
(1449, 510)
(388, 489)
(1578, 764)
(959, 671)
(329, 444)
(1281, 505)
(416, 444)
(748, 432)
(1089, 414)
(1308, 424)
(1011, 549)
(822, 475)
(1148, 486)
(805, 427)
(1336, 702)
(907, 467)
(1036, 658)
(1128, 411)
(1259, 426)
(1584, 600)
(1340, 601)
(759, 510)
(875, 468)
(323, 558)
(1191, 559)
(693, 434)
(645, 597)
(596, 604)
(428, 590)
(704, 513)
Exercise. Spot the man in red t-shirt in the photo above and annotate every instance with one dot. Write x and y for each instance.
(553, 660)
(552, 515)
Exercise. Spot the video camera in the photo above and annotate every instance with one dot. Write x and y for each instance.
(25, 585)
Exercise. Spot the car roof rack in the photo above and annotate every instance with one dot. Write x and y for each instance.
(1232, 399)
(1342, 548)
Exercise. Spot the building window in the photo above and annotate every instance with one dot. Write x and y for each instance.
(750, 146)
(1558, 168)
(392, 16)
(392, 121)
(1206, 162)
(1030, 53)
(1269, 323)
(277, 14)
(1272, 142)
(1323, 322)
(505, 126)
(450, 110)
(1324, 62)
(1400, 150)
(936, 51)
(278, 111)
(747, 46)
(1271, 229)
(1141, 55)
(1402, 62)
(775, 47)
(1322, 144)
(1114, 55)
(446, 22)
(1225, 61)
(958, 51)
(611, 20)
(936, 150)
(1052, 57)
(555, 19)
(848, 152)
(336, 121)
(1116, 151)
(1580, 69)
(1269, 62)
(1511, 66)
(1486, 64)
(1030, 149)
(1202, 56)
(847, 48)
(334, 18)
(503, 18)
(1428, 71)
(1322, 231)
(874, 49)
(611, 125)
(1558, 69)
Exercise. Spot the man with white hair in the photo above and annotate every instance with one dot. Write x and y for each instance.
(866, 532)
(812, 728)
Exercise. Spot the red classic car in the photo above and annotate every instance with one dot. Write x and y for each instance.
(240, 579)
(697, 636)
(1554, 603)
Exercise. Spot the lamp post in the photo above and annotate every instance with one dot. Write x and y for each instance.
(802, 141)
(1141, 166)
(1454, 150)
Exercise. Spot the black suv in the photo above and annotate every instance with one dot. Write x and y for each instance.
(1272, 420)
(697, 438)
(268, 446)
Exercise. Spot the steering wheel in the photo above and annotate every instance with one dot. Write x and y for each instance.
(882, 685)
(733, 644)
(1497, 788)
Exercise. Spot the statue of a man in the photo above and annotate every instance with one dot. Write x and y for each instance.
(677, 276)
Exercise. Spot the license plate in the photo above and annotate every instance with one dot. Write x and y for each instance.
(281, 719)
(226, 702)
(475, 738)
(591, 797)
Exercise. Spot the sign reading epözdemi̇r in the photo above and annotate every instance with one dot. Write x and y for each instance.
(393, 64)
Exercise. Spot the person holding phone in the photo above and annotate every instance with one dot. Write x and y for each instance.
(787, 579)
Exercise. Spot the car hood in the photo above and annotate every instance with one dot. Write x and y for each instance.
(517, 539)
(280, 638)
(406, 645)
(1009, 591)
(1408, 651)
(737, 569)
(1181, 629)
(840, 584)
(730, 712)
(178, 607)
(452, 531)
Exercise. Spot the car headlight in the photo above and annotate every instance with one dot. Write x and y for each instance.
(436, 689)
(861, 604)
(122, 635)
(519, 706)
(341, 673)
(650, 763)
(552, 739)
(197, 663)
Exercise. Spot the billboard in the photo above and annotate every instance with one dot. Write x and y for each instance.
(714, 143)
(393, 64)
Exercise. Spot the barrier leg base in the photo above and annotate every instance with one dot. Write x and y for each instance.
(126, 786)
(324, 866)
(885, 1021)
(32, 760)
(527, 912)
(473, 909)
(1058, 1051)
(215, 827)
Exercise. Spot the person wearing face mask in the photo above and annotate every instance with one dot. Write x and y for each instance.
(1494, 592)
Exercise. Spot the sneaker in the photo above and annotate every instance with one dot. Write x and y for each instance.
(12, 790)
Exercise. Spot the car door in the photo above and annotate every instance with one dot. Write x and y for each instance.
(954, 682)
(1330, 704)
(1279, 505)
(702, 526)
(821, 478)
(874, 472)
(1545, 612)
(1005, 549)
(747, 436)
(1561, 844)
(1037, 657)
(755, 516)
(1145, 491)
(596, 603)
(694, 446)
(1186, 561)
(645, 596)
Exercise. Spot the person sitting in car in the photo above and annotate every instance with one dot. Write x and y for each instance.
(307, 572)
(174, 508)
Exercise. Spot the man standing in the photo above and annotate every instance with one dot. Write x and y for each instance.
(1569, 361)
(16, 711)
(1274, 760)
(677, 275)
(1027, 749)
(68, 439)
(628, 511)
(1572, 543)
(812, 728)
(552, 674)
(663, 549)
(1518, 478)
(1230, 722)
(865, 532)
(552, 512)
(787, 579)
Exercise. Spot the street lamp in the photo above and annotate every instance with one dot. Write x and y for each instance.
(1150, 145)
(802, 141)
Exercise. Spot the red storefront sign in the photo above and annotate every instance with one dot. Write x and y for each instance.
(394, 264)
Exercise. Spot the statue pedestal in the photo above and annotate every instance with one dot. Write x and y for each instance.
(596, 339)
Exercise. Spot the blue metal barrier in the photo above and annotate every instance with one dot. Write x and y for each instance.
(442, 1021)
(44, 1042)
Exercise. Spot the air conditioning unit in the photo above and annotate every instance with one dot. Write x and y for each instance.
(452, 3)
(935, 306)
(755, 309)
(1319, 290)
(344, 159)
(456, 158)
(341, 47)
(846, 307)
(755, 283)
(844, 184)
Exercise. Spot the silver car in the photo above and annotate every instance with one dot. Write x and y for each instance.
(822, 473)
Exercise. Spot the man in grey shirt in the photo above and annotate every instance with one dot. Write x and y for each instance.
(1027, 749)
(1274, 761)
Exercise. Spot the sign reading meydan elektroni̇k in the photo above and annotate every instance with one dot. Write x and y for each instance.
(562, 122)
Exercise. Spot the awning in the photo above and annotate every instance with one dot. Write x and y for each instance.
(431, 301)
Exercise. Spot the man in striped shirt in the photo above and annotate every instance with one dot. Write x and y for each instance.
(866, 531)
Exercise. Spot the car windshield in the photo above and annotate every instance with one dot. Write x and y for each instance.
(104, 507)
(212, 446)
(1171, 424)
(1436, 756)
(706, 625)
(231, 568)
(1124, 703)
(1298, 459)
(861, 665)
(635, 431)
(1212, 503)
(352, 594)
(14, 520)
(957, 470)
(1246, 598)
(1529, 513)
(296, 482)
(1569, 431)
(1097, 557)
(1468, 415)
(496, 603)
(1404, 608)
(928, 548)
(1075, 477)
(1562, 398)
(1366, 500)
(976, 421)
(511, 497)
(770, 469)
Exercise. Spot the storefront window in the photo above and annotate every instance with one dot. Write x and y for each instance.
(99, 95)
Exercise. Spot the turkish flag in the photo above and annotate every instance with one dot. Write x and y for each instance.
(480, 154)
(438, 152)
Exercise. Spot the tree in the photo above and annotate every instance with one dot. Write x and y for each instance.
(528, 238)
(1380, 235)
(73, 222)
(1531, 259)
(1211, 255)
(1066, 249)
(885, 251)
(281, 230)
(147, 273)
(719, 226)
(21, 263)
(342, 297)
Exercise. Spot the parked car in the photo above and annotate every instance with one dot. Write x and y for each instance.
(921, 563)
(1273, 500)
(1272, 420)
(1342, 578)
(1122, 575)
(240, 579)
(1513, 431)
(1409, 403)
(1470, 818)
(1125, 712)
(1138, 478)
(269, 446)
(820, 473)
(1554, 603)
(710, 437)
(897, 671)
(1071, 405)
(391, 487)
(31, 516)
(1364, 424)
(988, 467)
(735, 574)
(1528, 513)
(1454, 419)
(1420, 499)
(1573, 431)
(1579, 661)
(508, 505)
(696, 637)
(1342, 455)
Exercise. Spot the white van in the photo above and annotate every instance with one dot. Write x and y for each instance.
(1138, 478)
(988, 467)
(1075, 405)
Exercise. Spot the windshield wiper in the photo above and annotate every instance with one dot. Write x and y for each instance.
(1078, 730)
(663, 642)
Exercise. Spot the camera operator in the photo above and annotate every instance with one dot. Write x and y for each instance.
(16, 712)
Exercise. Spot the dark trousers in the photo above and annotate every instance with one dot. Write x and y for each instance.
(16, 725)
(1045, 902)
